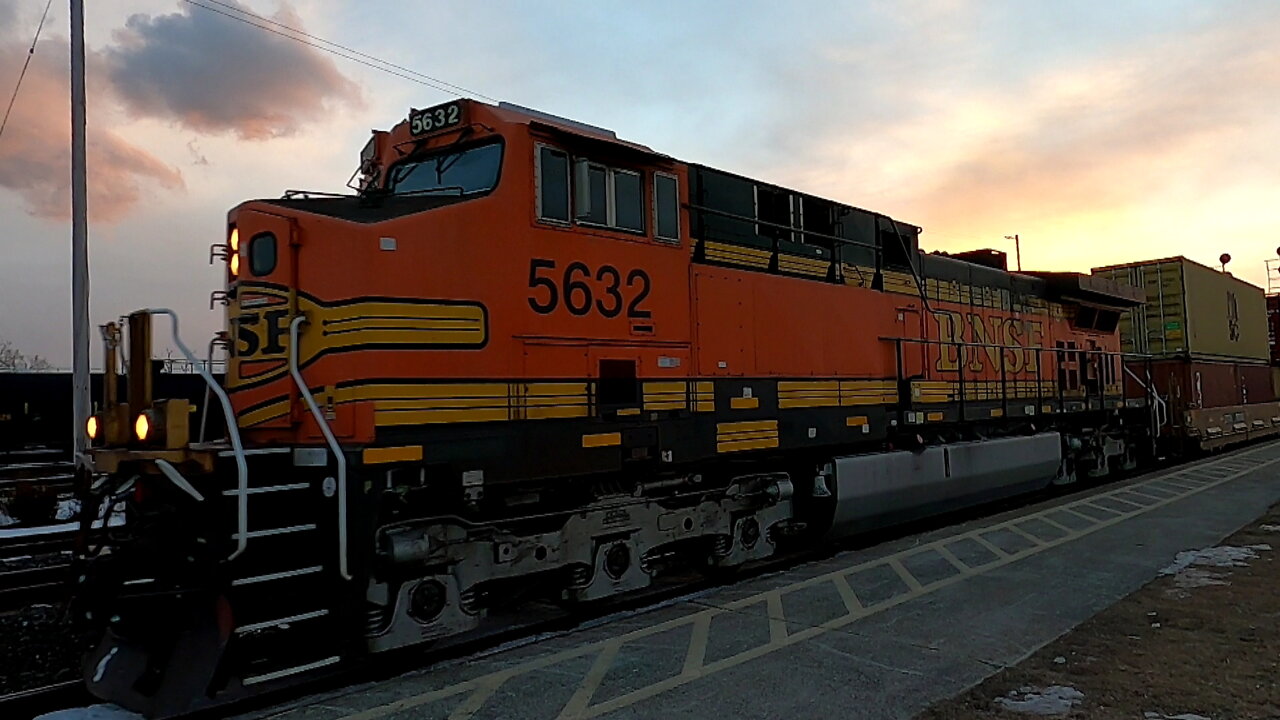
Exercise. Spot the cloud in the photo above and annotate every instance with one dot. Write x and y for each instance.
(213, 74)
(35, 156)
(197, 69)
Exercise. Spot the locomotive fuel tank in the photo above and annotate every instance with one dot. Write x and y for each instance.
(879, 489)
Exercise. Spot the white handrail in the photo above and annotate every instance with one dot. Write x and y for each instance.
(329, 438)
(204, 408)
(233, 432)
(1162, 411)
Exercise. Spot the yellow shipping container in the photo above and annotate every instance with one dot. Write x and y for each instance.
(1192, 310)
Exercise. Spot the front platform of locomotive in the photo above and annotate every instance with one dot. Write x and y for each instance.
(228, 565)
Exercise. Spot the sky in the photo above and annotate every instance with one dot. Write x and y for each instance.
(1099, 131)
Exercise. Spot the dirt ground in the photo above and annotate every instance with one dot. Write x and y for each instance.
(1200, 642)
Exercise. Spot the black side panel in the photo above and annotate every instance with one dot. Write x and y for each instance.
(899, 243)
(858, 226)
(724, 193)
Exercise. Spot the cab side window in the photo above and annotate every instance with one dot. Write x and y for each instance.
(666, 208)
(608, 197)
(580, 191)
(628, 200)
(553, 185)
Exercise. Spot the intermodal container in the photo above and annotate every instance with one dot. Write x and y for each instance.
(1192, 311)
(1200, 384)
(1273, 327)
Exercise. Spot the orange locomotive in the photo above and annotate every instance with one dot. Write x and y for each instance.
(530, 360)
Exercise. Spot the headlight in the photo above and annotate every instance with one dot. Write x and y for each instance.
(91, 427)
(235, 264)
(234, 242)
(141, 427)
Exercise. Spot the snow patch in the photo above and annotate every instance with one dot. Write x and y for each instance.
(1186, 565)
(1053, 700)
(116, 519)
(93, 712)
(1221, 556)
(1161, 716)
(6, 520)
(1269, 528)
(67, 510)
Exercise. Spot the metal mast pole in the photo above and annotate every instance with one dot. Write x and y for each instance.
(1017, 248)
(80, 406)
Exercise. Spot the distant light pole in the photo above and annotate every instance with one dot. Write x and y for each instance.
(1017, 248)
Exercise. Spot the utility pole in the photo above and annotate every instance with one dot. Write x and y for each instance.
(1017, 248)
(80, 407)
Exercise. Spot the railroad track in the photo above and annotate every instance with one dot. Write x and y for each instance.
(24, 546)
(58, 474)
(44, 584)
(37, 701)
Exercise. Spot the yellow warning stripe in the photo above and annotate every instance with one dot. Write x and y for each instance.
(665, 395)
(749, 435)
(704, 396)
(737, 254)
(263, 414)
(803, 265)
(601, 440)
(857, 275)
(384, 418)
(407, 453)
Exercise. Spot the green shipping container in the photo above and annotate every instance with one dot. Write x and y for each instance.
(1191, 310)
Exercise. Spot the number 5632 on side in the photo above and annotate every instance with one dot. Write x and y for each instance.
(581, 290)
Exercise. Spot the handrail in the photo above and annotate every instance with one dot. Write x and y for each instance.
(780, 226)
(233, 432)
(305, 392)
(204, 407)
(1162, 409)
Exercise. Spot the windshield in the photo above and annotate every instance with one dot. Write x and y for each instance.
(462, 172)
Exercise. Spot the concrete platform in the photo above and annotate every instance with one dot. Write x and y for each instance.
(877, 633)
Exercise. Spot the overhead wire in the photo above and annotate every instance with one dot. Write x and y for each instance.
(27, 63)
(286, 31)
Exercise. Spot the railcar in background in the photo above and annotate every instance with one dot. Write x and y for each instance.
(1205, 337)
(35, 406)
(527, 359)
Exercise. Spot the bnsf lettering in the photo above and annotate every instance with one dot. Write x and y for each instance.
(580, 297)
(989, 330)
(261, 334)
